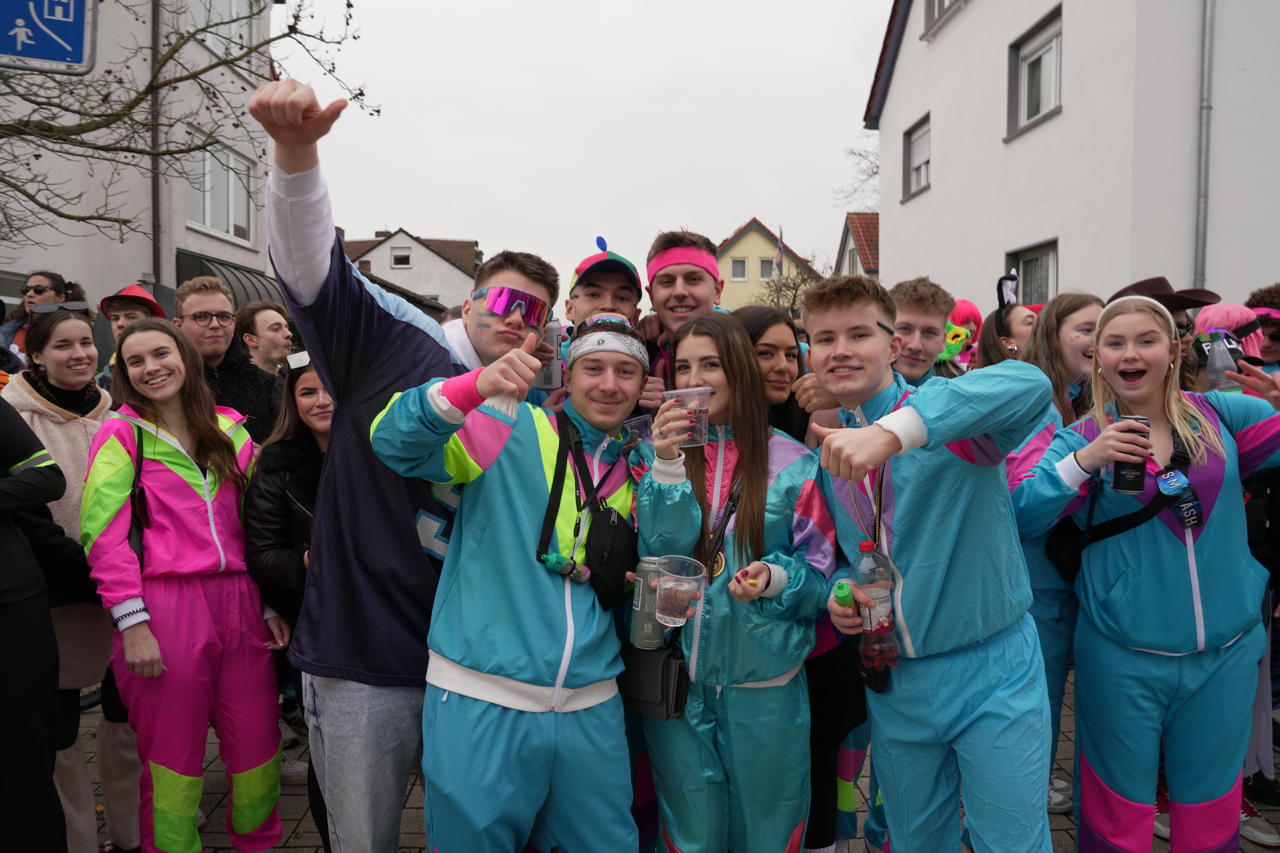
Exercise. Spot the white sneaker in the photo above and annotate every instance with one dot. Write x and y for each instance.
(1059, 801)
(293, 771)
(1254, 827)
(288, 737)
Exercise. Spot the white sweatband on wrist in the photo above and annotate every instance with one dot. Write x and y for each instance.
(908, 426)
(777, 581)
(668, 471)
(131, 611)
(1069, 470)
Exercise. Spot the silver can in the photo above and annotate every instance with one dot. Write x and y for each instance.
(646, 630)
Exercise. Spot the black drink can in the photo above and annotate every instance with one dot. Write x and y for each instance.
(1129, 477)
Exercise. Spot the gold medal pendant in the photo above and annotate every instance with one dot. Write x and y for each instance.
(717, 567)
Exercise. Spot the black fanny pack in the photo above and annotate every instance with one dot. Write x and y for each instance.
(612, 546)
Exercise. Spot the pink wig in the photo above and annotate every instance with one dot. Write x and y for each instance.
(966, 312)
(1231, 317)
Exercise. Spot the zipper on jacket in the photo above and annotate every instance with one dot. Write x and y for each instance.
(570, 629)
(204, 485)
(900, 619)
(1196, 605)
(715, 508)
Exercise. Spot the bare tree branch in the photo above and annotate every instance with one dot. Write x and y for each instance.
(103, 124)
(862, 190)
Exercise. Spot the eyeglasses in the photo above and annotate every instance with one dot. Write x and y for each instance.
(50, 307)
(503, 300)
(204, 318)
(37, 289)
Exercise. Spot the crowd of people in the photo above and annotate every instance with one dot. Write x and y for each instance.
(222, 530)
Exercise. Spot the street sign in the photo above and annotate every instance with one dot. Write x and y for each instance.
(53, 36)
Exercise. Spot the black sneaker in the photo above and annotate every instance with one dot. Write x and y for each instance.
(1260, 789)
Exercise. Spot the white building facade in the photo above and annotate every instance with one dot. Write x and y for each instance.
(215, 228)
(420, 265)
(1063, 139)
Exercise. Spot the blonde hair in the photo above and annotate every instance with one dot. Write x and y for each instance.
(1186, 421)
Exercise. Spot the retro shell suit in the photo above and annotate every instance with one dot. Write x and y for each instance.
(732, 773)
(1169, 638)
(523, 659)
(207, 618)
(966, 703)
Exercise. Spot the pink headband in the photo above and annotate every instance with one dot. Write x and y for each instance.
(1267, 312)
(684, 255)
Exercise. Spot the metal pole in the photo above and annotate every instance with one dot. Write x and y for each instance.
(1202, 164)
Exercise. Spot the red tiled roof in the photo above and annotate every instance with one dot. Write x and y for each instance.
(463, 254)
(755, 224)
(865, 228)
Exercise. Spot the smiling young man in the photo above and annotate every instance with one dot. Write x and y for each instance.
(920, 473)
(533, 679)
(202, 309)
(921, 326)
(684, 282)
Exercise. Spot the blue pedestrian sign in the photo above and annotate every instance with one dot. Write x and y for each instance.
(53, 36)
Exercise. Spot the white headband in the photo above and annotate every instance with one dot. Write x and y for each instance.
(589, 341)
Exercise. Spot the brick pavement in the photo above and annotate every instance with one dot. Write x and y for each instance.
(300, 833)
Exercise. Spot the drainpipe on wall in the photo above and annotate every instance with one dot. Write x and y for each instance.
(154, 115)
(1202, 164)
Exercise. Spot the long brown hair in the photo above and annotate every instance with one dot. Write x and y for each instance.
(39, 335)
(990, 349)
(289, 425)
(213, 448)
(749, 417)
(1044, 349)
(788, 415)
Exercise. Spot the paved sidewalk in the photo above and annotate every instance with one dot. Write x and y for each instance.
(300, 832)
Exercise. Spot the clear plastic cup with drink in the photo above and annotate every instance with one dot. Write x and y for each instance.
(697, 401)
(679, 581)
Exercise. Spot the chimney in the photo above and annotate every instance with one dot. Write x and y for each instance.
(381, 235)
(364, 266)
(342, 233)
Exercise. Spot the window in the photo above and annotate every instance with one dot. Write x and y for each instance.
(915, 159)
(400, 259)
(236, 19)
(1035, 73)
(738, 269)
(852, 269)
(935, 11)
(218, 196)
(766, 269)
(1037, 272)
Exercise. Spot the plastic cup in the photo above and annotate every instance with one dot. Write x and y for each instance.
(679, 578)
(639, 427)
(697, 400)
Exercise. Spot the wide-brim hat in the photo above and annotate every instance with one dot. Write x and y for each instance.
(1162, 291)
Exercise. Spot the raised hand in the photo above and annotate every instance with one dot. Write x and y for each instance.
(1265, 385)
(670, 427)
(850, 453)
(513, 373)
(292, 116)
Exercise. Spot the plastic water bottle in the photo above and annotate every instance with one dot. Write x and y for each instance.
(878, 644)
(1220, 362)
(646, 630)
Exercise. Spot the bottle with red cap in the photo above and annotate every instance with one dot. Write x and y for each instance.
(878, 642)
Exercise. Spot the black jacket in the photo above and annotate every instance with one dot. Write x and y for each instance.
(28, 480)
(279, 509)
(240, 384)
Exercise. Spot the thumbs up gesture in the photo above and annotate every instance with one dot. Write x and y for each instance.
(513, 373)
(850, 453)
(289, 112)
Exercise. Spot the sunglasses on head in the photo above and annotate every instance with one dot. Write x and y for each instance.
(37, 289)
(50, 307)
(503, 300)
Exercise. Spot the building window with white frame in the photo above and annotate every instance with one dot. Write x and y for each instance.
(1035, 73)
(401, 259)
(218, 195)
(738, 269)
(936, 10)
(915, 159)
(1037, 268)
(766, 269)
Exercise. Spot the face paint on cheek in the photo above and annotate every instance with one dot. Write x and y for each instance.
(481, 324)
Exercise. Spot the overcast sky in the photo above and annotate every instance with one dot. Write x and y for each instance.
(537, 126)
